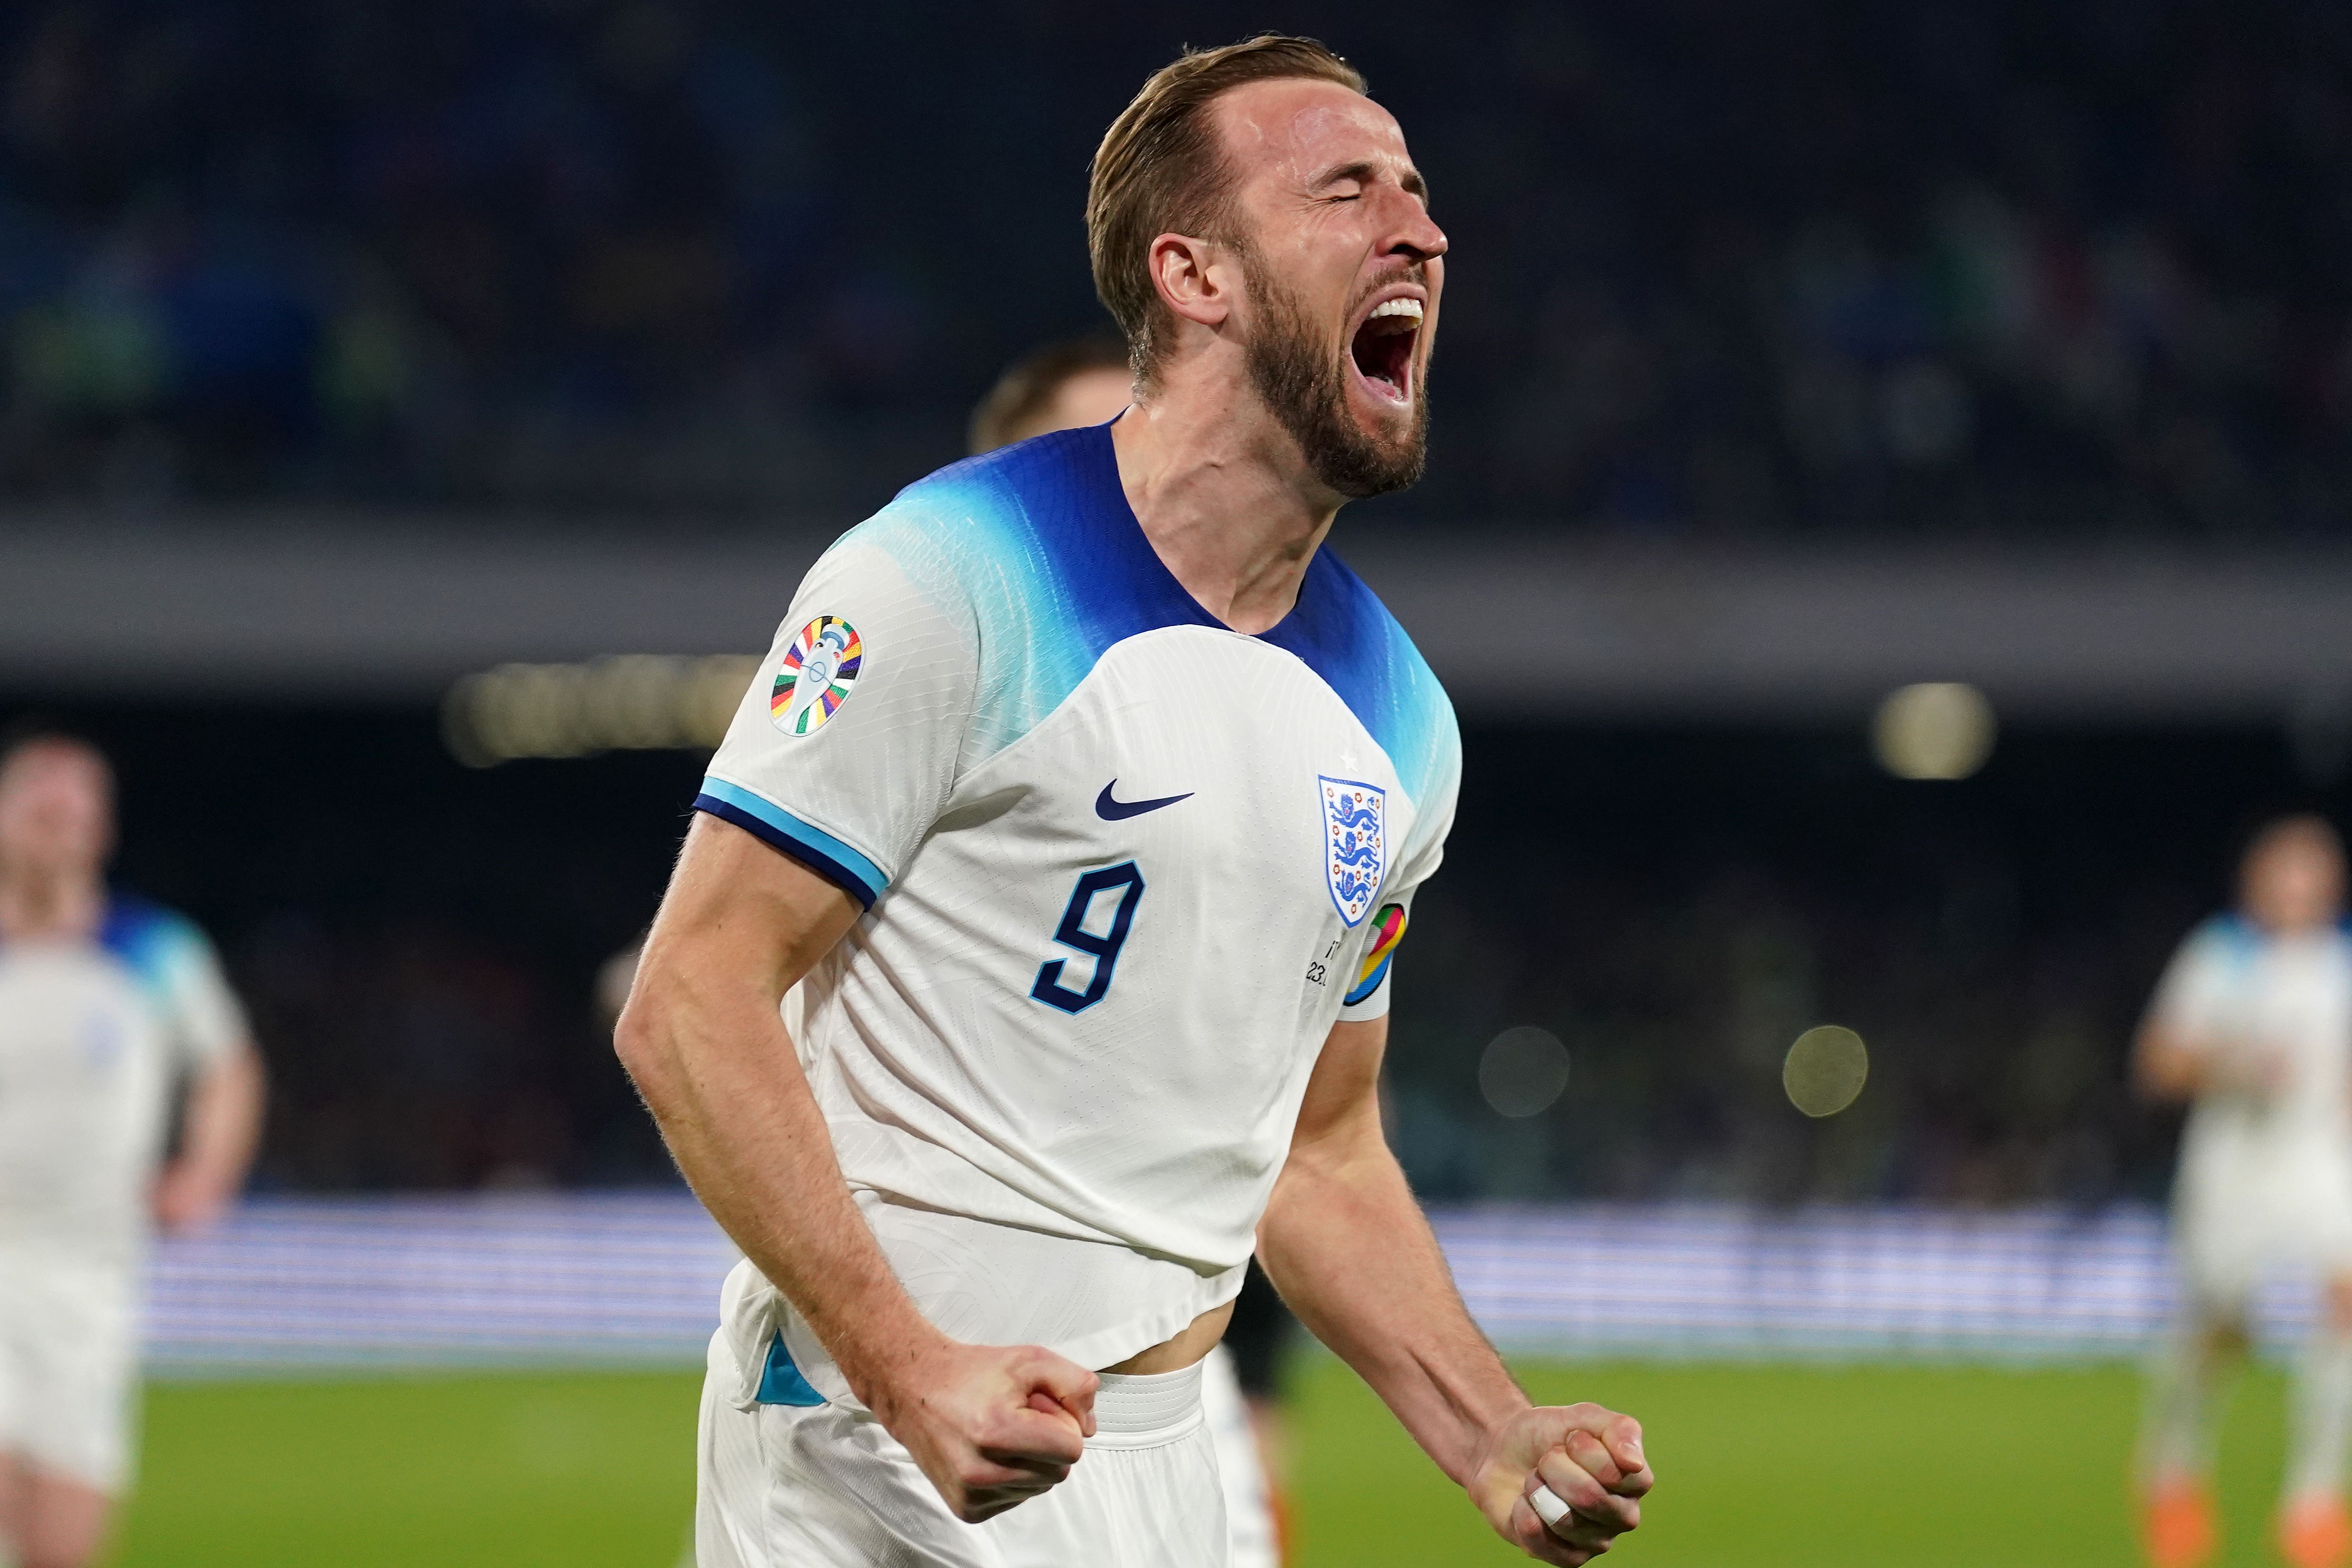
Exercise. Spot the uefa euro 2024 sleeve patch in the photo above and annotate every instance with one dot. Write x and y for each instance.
(815, 675)
(1355, 843)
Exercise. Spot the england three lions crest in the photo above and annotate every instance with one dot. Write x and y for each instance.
(1355, 843)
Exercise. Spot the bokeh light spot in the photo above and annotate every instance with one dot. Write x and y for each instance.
(1523, 1071)
(1937, 729)
(636, 702)
(1825, 1069)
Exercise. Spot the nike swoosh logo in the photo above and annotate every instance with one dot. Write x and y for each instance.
(1111, 810)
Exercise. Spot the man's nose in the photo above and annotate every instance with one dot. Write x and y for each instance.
(1416, 234)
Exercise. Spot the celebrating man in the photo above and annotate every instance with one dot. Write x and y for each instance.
(1086, 796)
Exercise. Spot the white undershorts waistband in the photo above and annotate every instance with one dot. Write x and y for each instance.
(1134, 1409)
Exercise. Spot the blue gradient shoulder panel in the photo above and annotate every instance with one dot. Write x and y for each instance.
(1038, 541)
(2238, 940)
(154, 944)
(150, 941)
(1345, 634)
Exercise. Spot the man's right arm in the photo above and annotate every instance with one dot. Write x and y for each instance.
(2171, 1066)
(702, 1039)
(2166, 1067)
(2192, 1043)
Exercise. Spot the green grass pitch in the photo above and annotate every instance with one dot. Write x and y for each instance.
(1762, 1466)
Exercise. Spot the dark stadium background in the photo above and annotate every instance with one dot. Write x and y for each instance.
(1973, 275)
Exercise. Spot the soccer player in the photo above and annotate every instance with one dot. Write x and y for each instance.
(107, 1004)
(2252, 1027)
(1062, 386)
(1089, 795)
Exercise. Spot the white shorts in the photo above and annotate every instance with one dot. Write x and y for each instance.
(824, 1486)
(1241, 1467)
(2296, 1214)
(69, 1364)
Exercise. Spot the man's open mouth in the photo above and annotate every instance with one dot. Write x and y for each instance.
(1382, 347)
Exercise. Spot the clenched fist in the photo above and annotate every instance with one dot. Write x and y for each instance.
(991, 1426)
(1562, 1482)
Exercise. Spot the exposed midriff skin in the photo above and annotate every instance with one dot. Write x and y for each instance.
(1197, 1338)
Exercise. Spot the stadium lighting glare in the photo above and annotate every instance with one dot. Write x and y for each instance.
(1937, 729)
(631, 702)
(1523, 1071)
(1825, 1069)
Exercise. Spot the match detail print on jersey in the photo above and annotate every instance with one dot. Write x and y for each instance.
(1355, 843)
(815, 675)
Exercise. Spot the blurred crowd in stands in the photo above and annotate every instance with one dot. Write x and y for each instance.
(1820, 267)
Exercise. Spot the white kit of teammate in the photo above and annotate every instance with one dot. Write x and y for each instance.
(107, 1005)
(2252, 1024)
(2265, 1173)
(92, 1038)
(1072, 828)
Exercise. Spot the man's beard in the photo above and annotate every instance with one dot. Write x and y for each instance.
(1302, 381)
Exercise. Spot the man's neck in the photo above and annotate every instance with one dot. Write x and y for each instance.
(38, 905)
(1224, 493)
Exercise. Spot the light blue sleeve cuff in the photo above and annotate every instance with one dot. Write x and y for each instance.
(813, 847)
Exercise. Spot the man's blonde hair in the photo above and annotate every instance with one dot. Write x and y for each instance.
(1159, 171)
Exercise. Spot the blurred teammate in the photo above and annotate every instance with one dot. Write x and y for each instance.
(105, 1005)
(1089, 796)
(1064, 386)
(1079, 382)
(2252, 1025)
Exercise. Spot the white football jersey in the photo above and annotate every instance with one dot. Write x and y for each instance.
(93, 1035)
(2235, 989)
(1123, 869)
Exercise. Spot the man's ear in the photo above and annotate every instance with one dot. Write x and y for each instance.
(1195, 279)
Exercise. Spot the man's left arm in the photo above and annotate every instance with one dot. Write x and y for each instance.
(1352, 1254)
(217, 1136)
